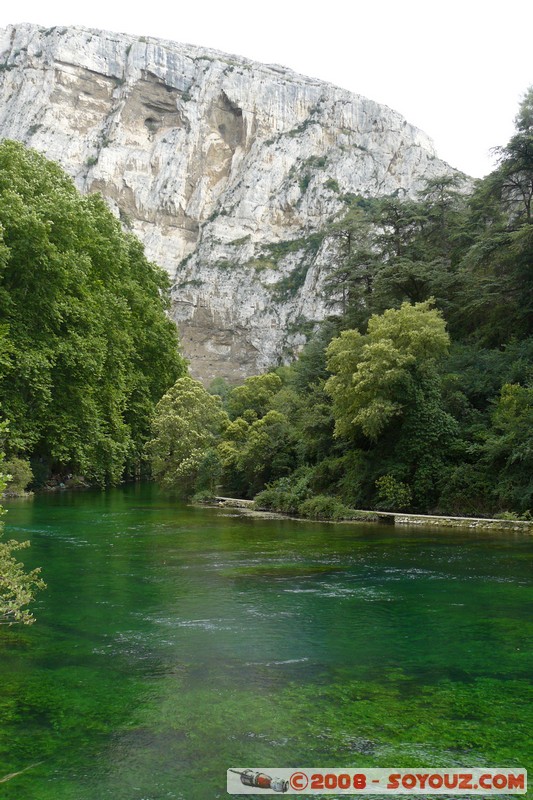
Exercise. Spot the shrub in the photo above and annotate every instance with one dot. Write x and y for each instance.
(333, 185)
(467, 490)
(288, 286)
(352, 485)
(286, 494)
(392, 495)
(209, 472)
(324, 506)
(203, 496)
(270, 499)
(19, 474)
(304, 183)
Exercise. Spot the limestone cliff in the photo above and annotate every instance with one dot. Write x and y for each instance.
(225, 168)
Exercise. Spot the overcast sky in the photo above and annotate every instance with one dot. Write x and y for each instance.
(456, 69)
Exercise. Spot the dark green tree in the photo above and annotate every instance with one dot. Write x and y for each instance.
(508, 448)
(512, 181)
(391, 249)
(497, 300)
(87, 347)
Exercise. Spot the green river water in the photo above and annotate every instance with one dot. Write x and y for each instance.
(174, 642)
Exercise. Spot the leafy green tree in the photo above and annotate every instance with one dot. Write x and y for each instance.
(87, 349)
(372, 372)
(497, 295)
(444, 229)
(392, 495)
(268, 451)
(228, 449)
(19, 475)
(311, 368)
(311, 420)
(255, 395)
(355, 260)
(209, 473)
(187, 421)
(387, 396)
(221, 387)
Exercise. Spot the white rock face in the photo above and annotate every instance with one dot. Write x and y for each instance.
(223, 167)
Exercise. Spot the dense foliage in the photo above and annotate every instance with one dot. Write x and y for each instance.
(17, 587)
(186, 422)
(86, 349)
(418, 392)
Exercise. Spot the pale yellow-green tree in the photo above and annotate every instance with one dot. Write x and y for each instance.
(373, 373)
(186, 424)
(386, 389)
(255, 395)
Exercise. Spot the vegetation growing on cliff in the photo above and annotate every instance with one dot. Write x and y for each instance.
(418, 394)
(86, 350)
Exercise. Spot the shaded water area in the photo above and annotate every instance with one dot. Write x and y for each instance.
(175, 642)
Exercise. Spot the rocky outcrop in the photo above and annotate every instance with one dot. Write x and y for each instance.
(226, 169)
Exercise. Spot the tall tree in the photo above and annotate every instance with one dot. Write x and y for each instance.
(391, 249)
(497, 301)
(387, 396)
(371, 372)
(512, 181)
(508, 448)
(254, 396)
(186, 424)
(88, 349)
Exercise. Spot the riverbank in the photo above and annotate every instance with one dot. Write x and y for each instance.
(397, 517)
